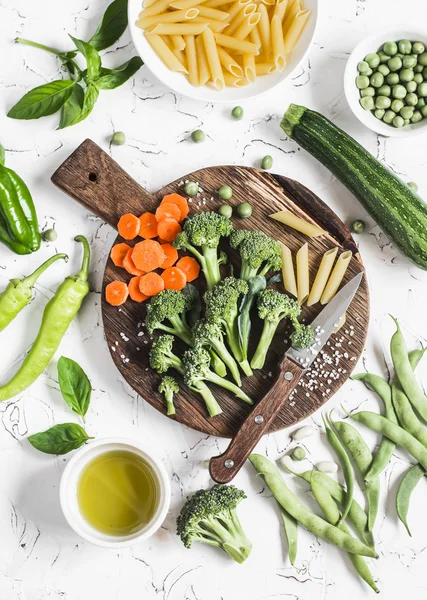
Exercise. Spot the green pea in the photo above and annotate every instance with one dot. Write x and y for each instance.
(418, 48)
(417, 117)
(369, 72)
(418, 68)
(369, 91)
(425, 72)
(422, 60)
(406, 75)
(422, 89)
(118, 138)
(382, 102)
(384, 90)
(237, 112)
(362, 67)
(389, 116)
(198, 136)
(50, 235)
(398, 92)
(418, 78)
(411, 99)
(377, 79)
(358, 226)
(390, 48)
(398, 122)
(421, 102)
(413, 186)
(400, 55)
(373, 60)
(244, 210)
(383, 57)
(406, 122)
(362, 82)
(392, 79)
(379, 113)
(406, 112)
(405, 47)
(409, 62)
(424, 111)
(298, 453)
(225, 192)
(397, 105)
(384, 70)
(267, 162)
(191, 188)
(411, 86)
(367, 103)
(395, 63)
(226, 211)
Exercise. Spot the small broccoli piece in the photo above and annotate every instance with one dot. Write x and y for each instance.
(196, 363)
(273, 306)
(259, 253)
(205, 231)
(222, 307)
(210, 334)
(169, 386)
(210, 517)
(170, 305)
(303, 336)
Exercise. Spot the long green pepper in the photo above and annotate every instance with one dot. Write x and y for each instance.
(57, 317)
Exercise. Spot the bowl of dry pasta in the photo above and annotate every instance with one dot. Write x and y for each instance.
(222, 51)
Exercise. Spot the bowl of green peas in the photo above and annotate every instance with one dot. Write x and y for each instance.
(385, 83)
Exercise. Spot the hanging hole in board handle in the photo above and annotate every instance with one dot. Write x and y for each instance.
(92, 177)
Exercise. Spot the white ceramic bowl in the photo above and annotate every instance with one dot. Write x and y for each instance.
(372, 44)
(180, 84)
(68, 493)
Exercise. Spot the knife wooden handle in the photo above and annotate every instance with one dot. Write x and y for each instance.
(224, 468)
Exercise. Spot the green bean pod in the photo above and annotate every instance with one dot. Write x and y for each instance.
(301, 514)
(406, 487)
(332, 514)
(291, 531)
(347, 469)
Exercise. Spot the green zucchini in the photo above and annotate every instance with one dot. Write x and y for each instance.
(395, 207)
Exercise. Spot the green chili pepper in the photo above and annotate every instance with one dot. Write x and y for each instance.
(18, 218)
(19, 292)
(57, 317)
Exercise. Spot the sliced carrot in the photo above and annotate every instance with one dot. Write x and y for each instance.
(181, 203)
(159, 239)
(174, 278)
(148, 228)
(148, 255)
(129, 226)
(151, 284)
(167, 210)
(190, 266)
(118, 253)
(134, 291)
(168, 229)
(171, 255)
(129, 265)
(116, 293)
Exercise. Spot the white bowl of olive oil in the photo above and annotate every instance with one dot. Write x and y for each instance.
(114, 493)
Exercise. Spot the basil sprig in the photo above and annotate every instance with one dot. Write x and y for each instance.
(76, 96)
(60, 439)
(75, 385)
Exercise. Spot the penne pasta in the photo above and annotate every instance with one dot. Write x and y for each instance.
(183, 4)
(180, 56)
(202, 61)
(322, 276)
(216, 3)
(268, 2)
(168, 42)
(293, 9)
(148, 3)
(336, 277)
(213, 59)
(254, 37)
(288, 272)
(178, 42)
(179, 28)
(232, 81)
(295, 30)
(303, 274)
(164, 53)
(229, 63)
(277, 43)
(264, 30)
(238, 45)
(264, 68)
(247, 26)
(171, 17)
(191, 56)
(213, 13)
(247, 10)
(280, 9)
(249, 68)
(157, 8)
(237, 7)
(215, 26)
(288, 218)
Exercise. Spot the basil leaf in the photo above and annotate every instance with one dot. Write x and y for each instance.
(75, 385)
(113, 78)
(2, 155)
(43, 100)
(113, 24)
(92, 57)
(90, 97)
(72, 108)
(60, 439)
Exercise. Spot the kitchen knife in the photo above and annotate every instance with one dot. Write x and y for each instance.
(224, 468)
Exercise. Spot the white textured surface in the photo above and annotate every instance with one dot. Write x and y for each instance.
(40, 557)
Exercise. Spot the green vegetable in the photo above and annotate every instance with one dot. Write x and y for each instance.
(226, 211)
(373, 60)
(398, 122)
(358, 226)
(191, 188)
(411, 87)
(2, 155)
(198, 136)
(267, 162)
(411, 99)
(237, 113)
(369, 91)
(384, 70)
(50, 235)
(72, 108)
(244, 210)
(19, 292)
(169, 386)
(407, 112)
(302, 336)
(392, 79)
(255, 286)
(381, 192)
(298, 453)
(291, 531)
(406, 75)
(397, 106)
(379, 113)
(112, 25)
(75, 385)
(362, 82)
(259, 253)
(225, 192)
(409, 62)
(423, 59)
(93, 59)
(390, 48)
(389, 116)
(170, 306)
(395, 63)
(118, 138)
(416, 117)
(377, 80)
(210, 517)
(418, 48)
(405, 46)
(57, 317)
(60, 439)
(363, 67)
(418, 78)
(407, 485)
(43, 100)
(384, 90)
(382, 102)
(205, 231)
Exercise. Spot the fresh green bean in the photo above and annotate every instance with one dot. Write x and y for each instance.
(291, 531)
(301, 514)
(332, 514)
(362, 458)
(406, 487)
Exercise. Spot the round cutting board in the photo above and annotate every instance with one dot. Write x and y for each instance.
(91, 176)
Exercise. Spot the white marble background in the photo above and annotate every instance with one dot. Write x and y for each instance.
(40, 557)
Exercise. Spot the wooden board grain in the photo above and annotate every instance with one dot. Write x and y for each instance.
(90, 176)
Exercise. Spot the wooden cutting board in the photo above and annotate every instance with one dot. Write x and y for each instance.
(93, 178)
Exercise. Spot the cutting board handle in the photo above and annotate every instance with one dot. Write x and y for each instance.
(93, 178)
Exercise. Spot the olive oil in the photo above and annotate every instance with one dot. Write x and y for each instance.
(118, 493)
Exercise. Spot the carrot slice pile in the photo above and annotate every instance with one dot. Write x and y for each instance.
(174, 278)
(168, 211)
(130, 266)
(118, 253)
(151, 284)
(134, 291)
(129, 226)
(116, 293)
(148, 229)
(179, 201)
(148, 255)
(171, 255)
(190, 267)
(168, 229)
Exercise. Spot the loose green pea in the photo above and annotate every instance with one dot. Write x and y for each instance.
(417, 117)
(298, 453)
(384, 70)
(244, 210)
(50, 235)
(413, 186)
(397, 105)
(367, 103)
(411, 86)
(424, 111)
(405, 47)
(237, 112)
(422, 89)
(418, 68)
(406, 112)
(421, 102)
(406, 75)
(377, 79)
(411, 99)
(362, 67)
(118, 138)
(384, 90)
(226, 211)
(389, 116)
(398, 122)
(383, 57)
(358, 226)
(191, 188)
(369, 72)
(225, 192)
(369, 91)
(379, 113)
(373, 60)
(406, 122)
(198, 136)
(409, 62)
(398, 92)
(422, 59)
(418, 48)
(267, 162)
(418, 78)
(390, 48)
(362, 82)
(392, 79)
(382, 102)
(395, 63)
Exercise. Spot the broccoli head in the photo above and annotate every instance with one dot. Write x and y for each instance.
(162, 357)
(169, 386)
(303, 336)
(210, 517)
(259, 253)
(170, 306)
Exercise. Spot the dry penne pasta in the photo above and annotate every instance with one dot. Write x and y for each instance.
(280, 9)
(171, 17)
(322, 276)
(268, 2)
(277, 43)
(164, 53)
(191, 56)
(148, 3)
(213, 59)
(293, 9)
(183, 4)
(239, 45)
(232, 81)
(179, 28)
(216, 3)
(288, 218)
(336, 277)
(247, 10)
(215, 26)
(155, 9)
(288, 272)
(246, 27)
(264, 68)
(235, 8)
(249, 68)
(168, 42)
(178, 42)
(303, 274)
(255, 37)
(295, 30)
(229, 63)
(180, 56)
(213, 13)
(264, 30)
(202, 61)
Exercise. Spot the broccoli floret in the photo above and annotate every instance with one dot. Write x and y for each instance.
(259, 253)
(170, 305)
(210, 334)
(169, 386)
(204, 231)
(273, 306)
(162, 359)
(196, 363)
(210, 517)
(222, 307)
(303, 336)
